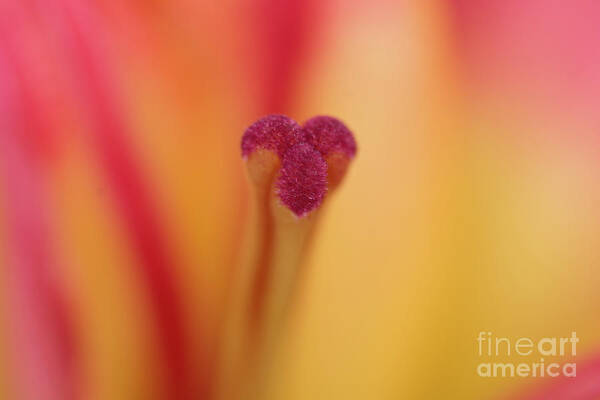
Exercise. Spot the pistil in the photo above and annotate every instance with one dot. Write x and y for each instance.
(292, 169)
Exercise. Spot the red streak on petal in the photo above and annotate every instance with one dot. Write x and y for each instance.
(82, 34)
(41, 322)
(283, 30)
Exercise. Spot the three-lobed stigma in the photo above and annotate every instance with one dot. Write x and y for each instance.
(312, 156)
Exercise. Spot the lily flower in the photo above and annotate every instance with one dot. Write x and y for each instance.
(144, 255)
